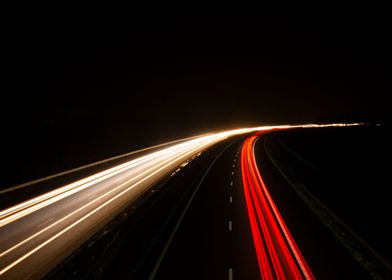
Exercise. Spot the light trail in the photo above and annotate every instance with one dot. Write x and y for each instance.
(80, 220)
(277, 254)
(20, 210)
(27, 184)
(39, 233)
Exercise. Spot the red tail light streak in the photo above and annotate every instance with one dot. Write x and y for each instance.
(277, 254)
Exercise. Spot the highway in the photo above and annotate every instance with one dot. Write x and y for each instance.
(210, 239)
(38, 233)
(259, 227)
(220, 244)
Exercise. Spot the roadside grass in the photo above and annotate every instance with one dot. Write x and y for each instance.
(300, 174)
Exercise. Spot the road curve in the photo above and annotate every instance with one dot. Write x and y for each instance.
(38, 234)
(278, 255)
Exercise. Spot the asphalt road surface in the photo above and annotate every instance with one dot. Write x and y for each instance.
(213, 240)
(178, 213)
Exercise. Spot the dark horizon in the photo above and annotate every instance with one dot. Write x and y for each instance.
(91, 89)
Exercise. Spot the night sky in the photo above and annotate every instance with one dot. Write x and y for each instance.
(81, 89)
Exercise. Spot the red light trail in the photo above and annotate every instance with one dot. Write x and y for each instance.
(277, 254)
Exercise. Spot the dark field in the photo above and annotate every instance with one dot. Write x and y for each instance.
(347, 171)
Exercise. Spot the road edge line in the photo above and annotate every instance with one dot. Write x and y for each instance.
(171, 237)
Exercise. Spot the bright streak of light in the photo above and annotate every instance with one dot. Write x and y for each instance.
(21, 186)
(112, 188)
(20, 210)
(277, 254)
(79, 220)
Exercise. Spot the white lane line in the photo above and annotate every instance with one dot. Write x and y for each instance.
(231, 199)
(157, 265)
(235, 160)
(230, 273)
(233, 165)
(230, 225)
(231, 183)
(232, 172)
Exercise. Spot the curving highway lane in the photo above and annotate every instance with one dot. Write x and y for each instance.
(38, 234)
